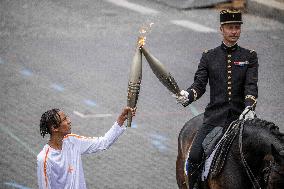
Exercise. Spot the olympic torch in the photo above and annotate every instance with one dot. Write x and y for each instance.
(134, 82)
(161, 72)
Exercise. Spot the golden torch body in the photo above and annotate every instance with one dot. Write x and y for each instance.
(161, 72)
(134, 82)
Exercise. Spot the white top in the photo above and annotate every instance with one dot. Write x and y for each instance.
(62, 169)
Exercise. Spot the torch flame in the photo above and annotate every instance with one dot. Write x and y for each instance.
(143, 32)
(141, 41)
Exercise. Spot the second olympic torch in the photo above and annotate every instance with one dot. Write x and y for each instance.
(161, 72)
(134, 82)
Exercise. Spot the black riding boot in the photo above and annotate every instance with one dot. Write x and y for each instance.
(193, 174)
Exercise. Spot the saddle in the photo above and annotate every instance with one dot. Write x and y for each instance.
(216, 146)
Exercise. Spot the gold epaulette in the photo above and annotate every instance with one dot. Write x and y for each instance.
(251, 51)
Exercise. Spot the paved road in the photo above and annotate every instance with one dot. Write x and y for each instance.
(76, 55)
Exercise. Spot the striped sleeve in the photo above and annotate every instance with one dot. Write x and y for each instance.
(42, 170)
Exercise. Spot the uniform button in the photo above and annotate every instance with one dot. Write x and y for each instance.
(229, 98)
(229, 55)
(229, 66)
(229, 71)
(229, 77)
(230, 93)
(229, 88)
(229, 61)
(229, 83)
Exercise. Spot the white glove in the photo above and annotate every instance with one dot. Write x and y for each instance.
(182, 98)
(247, 114)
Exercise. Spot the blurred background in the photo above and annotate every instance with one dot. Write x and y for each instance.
(76, 55)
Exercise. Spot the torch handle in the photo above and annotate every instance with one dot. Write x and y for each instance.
(129, 119)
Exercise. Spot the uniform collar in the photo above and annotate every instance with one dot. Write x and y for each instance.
(229, 49)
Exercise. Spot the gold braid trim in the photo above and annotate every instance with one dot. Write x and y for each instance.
(230, 11)
(194, 94)
(252, 98)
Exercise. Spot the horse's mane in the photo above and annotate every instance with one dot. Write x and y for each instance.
(265, 125)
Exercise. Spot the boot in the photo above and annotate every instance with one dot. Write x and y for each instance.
(193, 174)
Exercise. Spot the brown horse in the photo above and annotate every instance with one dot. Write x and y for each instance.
(262, 150)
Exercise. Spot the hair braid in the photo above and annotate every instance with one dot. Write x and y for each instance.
(48, 119)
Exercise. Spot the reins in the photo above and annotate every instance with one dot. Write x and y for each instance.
(246, 166)
(224, 137)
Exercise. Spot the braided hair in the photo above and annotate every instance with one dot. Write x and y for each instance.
(48, 119)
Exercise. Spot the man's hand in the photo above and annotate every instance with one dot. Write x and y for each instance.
(124, 113)
(182, 98)
(248, 113)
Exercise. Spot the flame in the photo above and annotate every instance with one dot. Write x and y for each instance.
(144, 30)
(141, 41)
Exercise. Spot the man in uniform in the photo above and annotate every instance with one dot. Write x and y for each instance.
(232, 72)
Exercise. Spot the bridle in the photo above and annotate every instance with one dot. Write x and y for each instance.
(272, 167)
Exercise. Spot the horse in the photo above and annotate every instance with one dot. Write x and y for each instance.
(259, 163)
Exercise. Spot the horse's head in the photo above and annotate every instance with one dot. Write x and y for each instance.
(276, 176)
